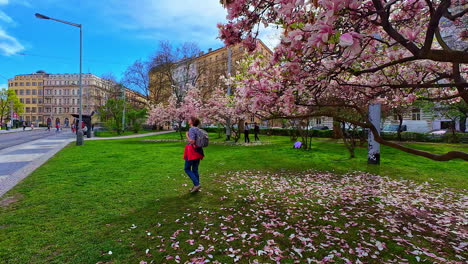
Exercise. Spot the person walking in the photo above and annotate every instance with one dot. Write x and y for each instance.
(228, 133)
(193, 154)
(24, 125)
(256, 131)
(57, 127)
(246, 133)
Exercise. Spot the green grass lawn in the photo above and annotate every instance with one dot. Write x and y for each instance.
(129, 195)
(125, 133)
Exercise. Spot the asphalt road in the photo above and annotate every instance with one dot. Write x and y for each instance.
(12, 139)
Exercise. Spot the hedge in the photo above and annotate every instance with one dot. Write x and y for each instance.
(405, 136)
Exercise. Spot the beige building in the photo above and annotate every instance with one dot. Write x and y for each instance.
(30, 90)
(53, 98)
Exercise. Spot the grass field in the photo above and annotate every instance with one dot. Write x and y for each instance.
(131, 197)
(125, 133)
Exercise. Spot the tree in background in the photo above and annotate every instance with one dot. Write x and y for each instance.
(167, 72)
(111, 114)
(174, 112)
(135, 118)
(9, 102)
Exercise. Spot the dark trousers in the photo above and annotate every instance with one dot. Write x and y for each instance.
(256, 136)
(191, 168)
(246, 136)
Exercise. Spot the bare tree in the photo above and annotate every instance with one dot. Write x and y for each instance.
(137, 78)
(168, 71)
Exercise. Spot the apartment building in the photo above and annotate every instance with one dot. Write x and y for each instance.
(53, 98)
(30, 90)
(203, 70)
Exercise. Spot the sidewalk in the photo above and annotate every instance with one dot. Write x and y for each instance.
(17, 162)
(20, 129)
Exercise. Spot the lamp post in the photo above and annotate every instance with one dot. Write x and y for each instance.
(79, 134)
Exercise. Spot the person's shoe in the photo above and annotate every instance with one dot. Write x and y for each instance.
(195, 189)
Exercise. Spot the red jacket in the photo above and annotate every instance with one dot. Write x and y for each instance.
(191, 154)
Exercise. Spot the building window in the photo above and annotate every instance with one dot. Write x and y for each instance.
(33, 118)
(318, 121)
(39, 92)
(39, 83)
(39, 109)
(28, 83)
(16, 92)
(22, 100)
(40, 118)
(416, 114)
(39, 100)
(21, 84)
(28, 100)
(28, 109)
(33, 91)
(33, 109)
(34, 100)
(28, 92)
(34, 83)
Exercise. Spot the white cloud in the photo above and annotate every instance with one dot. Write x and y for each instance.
(271, 36)
(8, 44)
(181, 20)
(5, 17)
(185, 20)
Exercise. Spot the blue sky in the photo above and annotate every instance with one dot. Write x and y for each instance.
(115, 33)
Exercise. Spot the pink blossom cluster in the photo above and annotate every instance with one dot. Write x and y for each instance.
(345, 53)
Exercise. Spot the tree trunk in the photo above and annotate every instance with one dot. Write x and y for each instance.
(180, 130)
(337, 130)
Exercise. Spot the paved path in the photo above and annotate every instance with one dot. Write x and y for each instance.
(10, 139)
(17, 162)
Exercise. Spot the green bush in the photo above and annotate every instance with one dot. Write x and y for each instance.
(427, 137)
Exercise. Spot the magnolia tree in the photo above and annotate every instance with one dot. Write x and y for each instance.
(176, 111)
(220, 107)
(347, 54)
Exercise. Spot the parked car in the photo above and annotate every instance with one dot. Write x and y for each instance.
(394, 128)
(438, 132)
(321, 128)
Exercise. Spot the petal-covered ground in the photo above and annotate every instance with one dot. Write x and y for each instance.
(313, 217)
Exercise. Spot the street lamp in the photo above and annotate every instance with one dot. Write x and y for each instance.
(79, 134)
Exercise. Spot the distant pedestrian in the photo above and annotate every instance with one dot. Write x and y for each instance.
(256, 131)
(57, 127)
(32, 126)
(73, 128)
(246, 133)
(228, 133)
(24, 125)
(193, 154)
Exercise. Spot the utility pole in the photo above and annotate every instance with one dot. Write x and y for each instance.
(123, 114)
(373, 155)
(228, 121)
